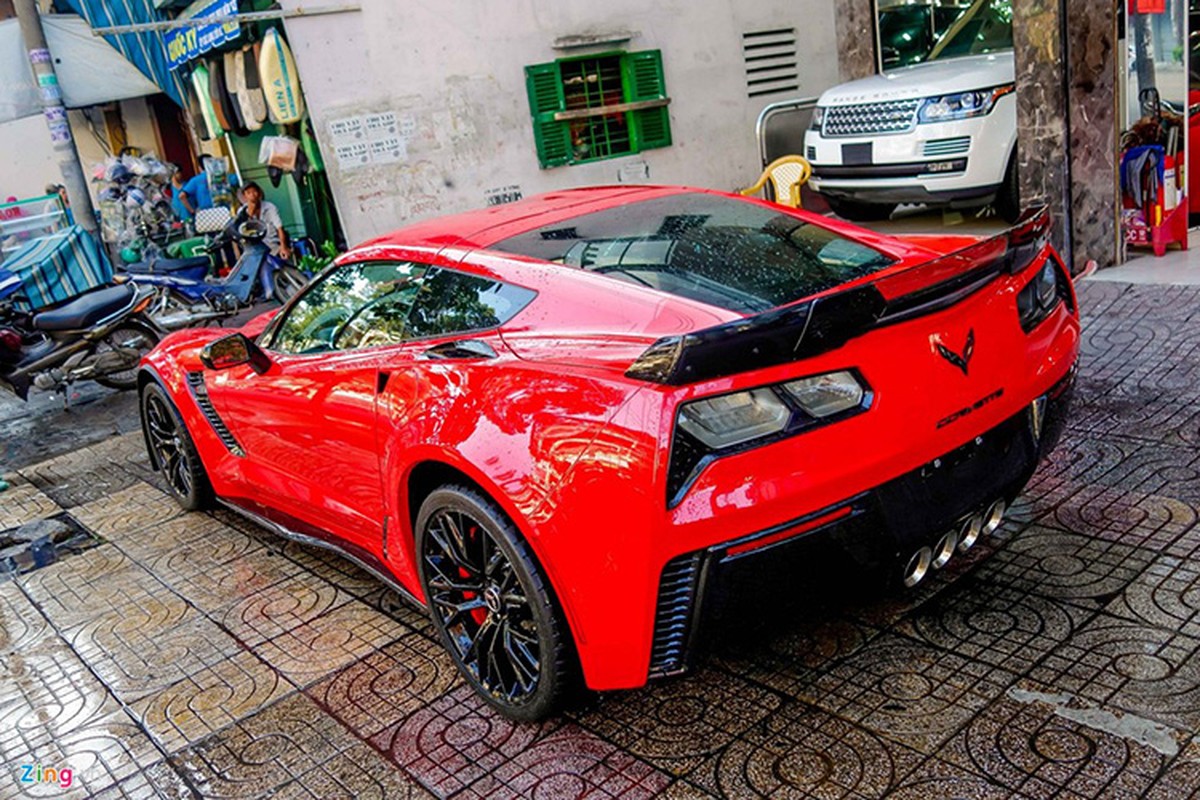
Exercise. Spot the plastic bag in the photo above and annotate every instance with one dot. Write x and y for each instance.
(217, 170)
(279, 151)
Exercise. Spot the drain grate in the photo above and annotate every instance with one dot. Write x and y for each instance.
(39, 544)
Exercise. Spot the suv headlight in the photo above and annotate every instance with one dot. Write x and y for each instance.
(963, 105)
(818, 118)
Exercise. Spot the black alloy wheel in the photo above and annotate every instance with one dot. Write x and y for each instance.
(492, 607)
(172, 452)
(120, 351)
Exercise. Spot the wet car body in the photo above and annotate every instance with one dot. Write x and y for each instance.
(567, 414)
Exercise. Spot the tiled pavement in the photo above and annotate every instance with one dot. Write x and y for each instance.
(195, 655)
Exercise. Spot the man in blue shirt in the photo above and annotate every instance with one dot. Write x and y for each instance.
(177, 205)
(195, 193)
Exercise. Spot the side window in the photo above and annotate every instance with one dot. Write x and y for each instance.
(455, 302)
(355, 306)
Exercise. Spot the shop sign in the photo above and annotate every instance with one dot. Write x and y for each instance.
(187, 44)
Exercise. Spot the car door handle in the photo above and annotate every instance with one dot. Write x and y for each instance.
(461, 349)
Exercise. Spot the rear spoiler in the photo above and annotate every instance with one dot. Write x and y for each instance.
(825, 323)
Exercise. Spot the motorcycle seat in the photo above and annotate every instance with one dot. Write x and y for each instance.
(86, 310)
(168, 265)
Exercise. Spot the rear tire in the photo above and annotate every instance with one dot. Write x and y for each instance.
(132, 341)
(857, 211)
(172, 451)
(492, 606)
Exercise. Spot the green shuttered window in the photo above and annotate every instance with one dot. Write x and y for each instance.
(597, 107)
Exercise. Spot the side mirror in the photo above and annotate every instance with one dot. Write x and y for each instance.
(233, 350)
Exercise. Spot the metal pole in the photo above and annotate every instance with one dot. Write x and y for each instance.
(55, 114)
(250, 16)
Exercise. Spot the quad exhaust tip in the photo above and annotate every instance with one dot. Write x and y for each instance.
(944, 549)
(960, 540)
(993, 517)
(970, 532)
(918, 567)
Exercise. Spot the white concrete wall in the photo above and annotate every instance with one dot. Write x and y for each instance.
(458, 70)
(139, 132)
(27, 161)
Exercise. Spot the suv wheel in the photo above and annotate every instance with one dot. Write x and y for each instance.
(1008, 199)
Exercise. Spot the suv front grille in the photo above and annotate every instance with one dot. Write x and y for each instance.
(892, 116)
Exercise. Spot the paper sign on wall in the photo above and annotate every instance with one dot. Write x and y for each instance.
(370, 139)
(384, 124)
(502, 194)
(353, 155)
(347, 128)
(389, 150)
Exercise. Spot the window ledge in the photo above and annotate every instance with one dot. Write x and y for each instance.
(616, 108)
(593, 39)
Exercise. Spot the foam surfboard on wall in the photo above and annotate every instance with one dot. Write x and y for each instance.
(235, 80)
(204, 99)
(196, 112)
(250, 100)
(225, 104)
(280, 83)
(230, 86)
(216, 90)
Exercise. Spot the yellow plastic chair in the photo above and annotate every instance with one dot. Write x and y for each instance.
(786, 174)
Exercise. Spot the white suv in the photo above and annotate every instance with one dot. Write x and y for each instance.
(942, 132)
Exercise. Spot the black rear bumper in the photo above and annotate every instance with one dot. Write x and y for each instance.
(876, 530)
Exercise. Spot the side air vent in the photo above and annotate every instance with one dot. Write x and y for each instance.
(771, 64)
(939, 148)
(677, 595)
(195, 381)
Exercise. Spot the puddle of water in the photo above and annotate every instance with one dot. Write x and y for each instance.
(39, 544)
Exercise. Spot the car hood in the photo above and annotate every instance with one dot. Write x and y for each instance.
(926, 80)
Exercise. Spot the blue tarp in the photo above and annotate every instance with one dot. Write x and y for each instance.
(9, 283)
(146, 51)
(58, 267)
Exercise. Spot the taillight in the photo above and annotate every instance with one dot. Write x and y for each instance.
(1042, 295)
(713, 427)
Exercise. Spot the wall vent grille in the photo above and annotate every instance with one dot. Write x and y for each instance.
(771, 64)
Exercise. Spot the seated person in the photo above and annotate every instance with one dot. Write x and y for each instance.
(257, 208)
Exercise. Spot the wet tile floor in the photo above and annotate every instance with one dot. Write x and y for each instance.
(196, 655)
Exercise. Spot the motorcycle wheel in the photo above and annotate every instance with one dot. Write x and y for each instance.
(288, 282)
(131, 341)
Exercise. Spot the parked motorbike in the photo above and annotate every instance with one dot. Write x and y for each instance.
(189, 296)
(100, 336)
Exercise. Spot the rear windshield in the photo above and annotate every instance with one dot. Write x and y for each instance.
(717, 250)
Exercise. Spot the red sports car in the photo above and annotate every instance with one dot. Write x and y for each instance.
(565, 424)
